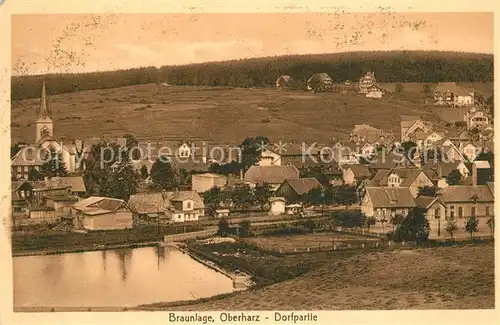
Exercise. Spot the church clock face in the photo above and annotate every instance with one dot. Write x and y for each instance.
(44, 132)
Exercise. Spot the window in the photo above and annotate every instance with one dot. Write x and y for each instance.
(452, 211)
(437, 213)
(19, 169)
(25, 168)
(460, 212)
(188, 205)
(473, 211)
(487, 212)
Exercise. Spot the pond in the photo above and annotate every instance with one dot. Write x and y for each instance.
(113, 278)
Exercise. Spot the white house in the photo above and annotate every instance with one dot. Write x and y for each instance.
(470, 151)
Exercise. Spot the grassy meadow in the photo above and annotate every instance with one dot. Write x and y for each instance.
(152, 112)
(460, 277)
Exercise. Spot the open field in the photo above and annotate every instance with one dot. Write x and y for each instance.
(217, 114)
(460, 277)
(288, 243)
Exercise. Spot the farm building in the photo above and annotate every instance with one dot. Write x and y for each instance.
(367, 82)
(451, 94)
(272, 175)
(101, 213)
(293, 189)
(284, 82)
(320, 82)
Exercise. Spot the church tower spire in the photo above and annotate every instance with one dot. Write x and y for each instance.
(44, 125)
(43, 110)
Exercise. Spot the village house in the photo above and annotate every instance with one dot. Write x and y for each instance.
(411, 178)
(438, 171)
(347, 152)
(184, 206)
(21, 194)
(171, 206)
(367, 82)
(384, 202)
(274, 176)
(410, 125)
(205, 182)
(374, 92)
(293, 189)
(482, 173)
(470, 151)
(353, 174)
(463, 201)
(434, 209)
(475, 118)
(277, 205)
(425, 139)
(320, 82)
(147, 205)
(451, 94)
(101, 213)
(284, 82)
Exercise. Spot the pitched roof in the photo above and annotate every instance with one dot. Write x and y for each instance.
(303, 185)
(408, 176)
(75, 183)
(464, 193)
(98, 205)
(185, 195)
(321, 77)
(270, 174)
(144, 203)
(432, 168)
(481, 164)
(390, 197)
(360, 171)
(424, 201)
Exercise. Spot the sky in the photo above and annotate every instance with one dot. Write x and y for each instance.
(83, 43)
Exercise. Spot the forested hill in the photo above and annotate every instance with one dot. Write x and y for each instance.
(400, 66)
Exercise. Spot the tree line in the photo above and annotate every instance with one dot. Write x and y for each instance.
(395, 66)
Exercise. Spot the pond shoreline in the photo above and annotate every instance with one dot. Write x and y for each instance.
(82, 249)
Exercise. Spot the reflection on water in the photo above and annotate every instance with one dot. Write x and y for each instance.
(114, 278)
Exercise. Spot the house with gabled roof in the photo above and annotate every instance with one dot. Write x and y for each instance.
(411, 178)
(438, 171)
(451, 94)
(366, 82)
(284, 82)
(101, 213)
(271, 175)
(411, 124)
(320, 82)
(293, 189)
(352, 174)
(383, 202)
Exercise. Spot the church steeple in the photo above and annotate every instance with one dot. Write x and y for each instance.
(44, 125)
(43, 111)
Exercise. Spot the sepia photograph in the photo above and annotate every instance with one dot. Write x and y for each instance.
(291, 162)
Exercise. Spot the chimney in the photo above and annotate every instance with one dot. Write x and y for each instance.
(440, 171)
